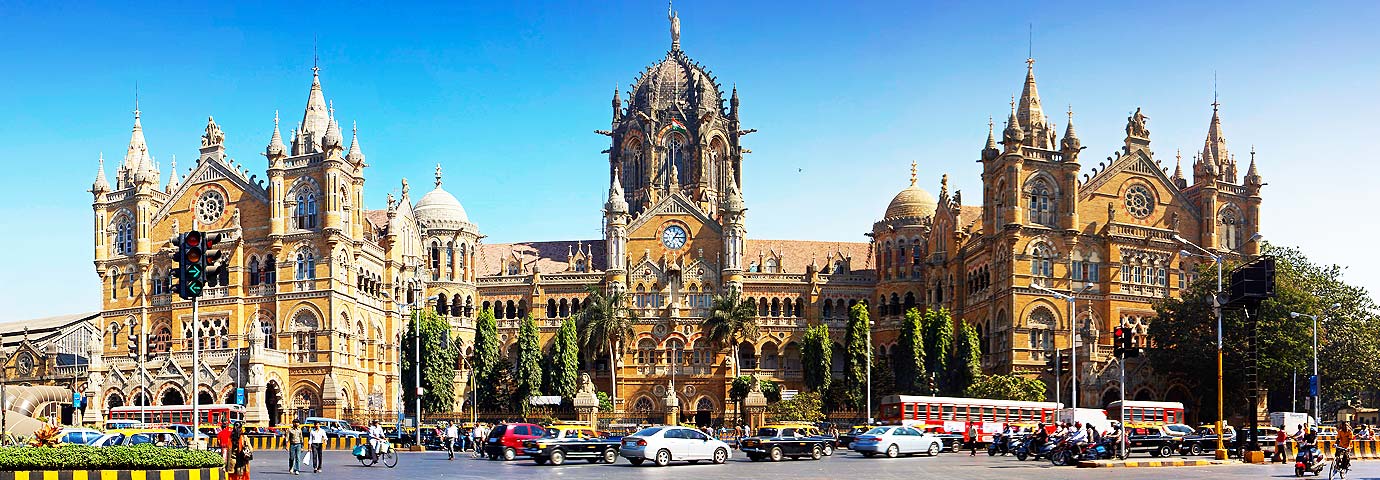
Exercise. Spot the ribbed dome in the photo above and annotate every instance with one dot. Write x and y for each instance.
(676, 78)
(439, 209)
(913, 202)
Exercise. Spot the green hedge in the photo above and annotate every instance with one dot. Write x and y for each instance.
(82, 457)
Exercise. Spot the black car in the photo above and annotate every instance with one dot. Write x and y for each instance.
(562, 442)
(776, 443)
(847, 438)
(1204, 441)
(1151, 440)
(952, 441)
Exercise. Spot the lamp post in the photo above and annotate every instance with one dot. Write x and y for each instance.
(1073, 334)
(1317, 381)
(1221, 453)
(417, 353)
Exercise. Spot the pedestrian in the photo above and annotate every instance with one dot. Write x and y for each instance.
(223, 441)
(241, 452)
(477, 435)
(1280, 439)
(452, 433)
(974, 438)
(317, 439)
(294, 444)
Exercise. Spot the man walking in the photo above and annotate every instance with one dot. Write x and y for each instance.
(317, 438)
(294, 442)
(452, 436)
(477, 434)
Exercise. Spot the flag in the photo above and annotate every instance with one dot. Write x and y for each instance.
(676, 126)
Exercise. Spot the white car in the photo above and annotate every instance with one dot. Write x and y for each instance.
(1177, 430)
(662, 445)
(894, 441)
(78, 435)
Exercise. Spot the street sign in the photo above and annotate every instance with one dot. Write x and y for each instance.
(76, 399)
(239, 396)
(1312, 385)
(544, 400)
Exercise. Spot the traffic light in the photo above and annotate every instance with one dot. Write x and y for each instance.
(133, 339)
(1253, 281)
(191, 264)
(1124, 343)
(1051, 365)
(212, 262)
(1065, 365)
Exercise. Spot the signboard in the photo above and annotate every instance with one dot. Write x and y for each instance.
(1312, 385)
(953, 426)
(76, 399)
(239, 396)
(544, 400)
(789, 394)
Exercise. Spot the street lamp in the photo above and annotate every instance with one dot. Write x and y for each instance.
(1221, 453)
(1073, 333)
(1317, 381)
(417, 353)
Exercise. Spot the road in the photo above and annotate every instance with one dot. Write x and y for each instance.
(341, 465)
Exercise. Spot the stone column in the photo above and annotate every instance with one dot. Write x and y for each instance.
(672, 406)
(587, 402)
(756, 406)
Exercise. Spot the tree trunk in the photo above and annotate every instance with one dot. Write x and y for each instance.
(736, 368)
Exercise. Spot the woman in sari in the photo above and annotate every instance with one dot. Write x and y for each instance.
(241, 453)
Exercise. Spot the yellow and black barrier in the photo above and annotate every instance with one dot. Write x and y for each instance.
(1360, 449)
(170, 474)
(280, 443)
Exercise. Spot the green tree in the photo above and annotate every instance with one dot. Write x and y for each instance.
(855, 355)
(605, 405)
(804, 407)
(486, 359)
(565, 361)
(939, 344)
(605, 324)
(438, 361)
(1184, 332)
(911, 377)
(967, 359)
(739, 388)
(527, 372)
(731, 320)
(1006, 387)
(883, 377)
(816, 353)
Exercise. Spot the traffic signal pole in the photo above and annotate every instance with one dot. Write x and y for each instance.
(196, 371)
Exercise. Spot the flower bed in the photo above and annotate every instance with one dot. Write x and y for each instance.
(82, 457)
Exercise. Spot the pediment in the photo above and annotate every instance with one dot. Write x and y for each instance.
(675, 204)
(211, 170)
(1137, 163)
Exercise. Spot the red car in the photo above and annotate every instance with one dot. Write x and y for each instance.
(505, 441)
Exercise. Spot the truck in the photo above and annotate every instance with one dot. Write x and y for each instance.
(1094, 416)
(1291, 421)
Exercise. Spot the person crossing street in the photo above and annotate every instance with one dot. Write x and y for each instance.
(317, 439)
(452, 433)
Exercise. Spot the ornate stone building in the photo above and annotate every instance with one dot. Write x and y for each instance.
(308, 316)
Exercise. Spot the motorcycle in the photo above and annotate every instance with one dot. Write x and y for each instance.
(1066, 453)
(999, 444)
(1308, 462)
(1024, 451)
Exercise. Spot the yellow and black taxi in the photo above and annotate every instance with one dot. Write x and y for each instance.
(775, 442)
(1150, 438)
(563, 442)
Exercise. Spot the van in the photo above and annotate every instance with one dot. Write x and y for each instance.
(334, 427)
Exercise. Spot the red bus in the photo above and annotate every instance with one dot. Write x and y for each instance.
(211, 414)
(1146, 413)
(955, 414)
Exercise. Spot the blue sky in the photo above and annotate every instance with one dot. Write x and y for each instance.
(845, 96)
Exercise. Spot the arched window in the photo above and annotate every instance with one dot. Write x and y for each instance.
(551, 308)
(1230, 236)
(646, 351)
(457, 306)
(787, 309)
(442, 306)
(114, 283)
(747, 356)
(675, 352)
(305, 214)
(270, 333)
(580, 266)
(770, 358)
(124, 235)
(1042, 324)
(512, 311)
(771, 266)
(306, 264)
(114, 334)
(450, 260)
(254, 271)
(564, 309)
(676, 150)
(162, 341)
(1041, 203)
(1042, 261)
(130, 279)
(828, 309)
(775, 307)
(157, 283)
(270, 272)
(762, 308)
(790, 358)
(304, 337)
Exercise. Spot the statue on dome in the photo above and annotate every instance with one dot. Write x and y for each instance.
(675, 25)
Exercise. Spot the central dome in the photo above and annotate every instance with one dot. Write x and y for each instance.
(676, 79)
(913, 202)
(439, 209)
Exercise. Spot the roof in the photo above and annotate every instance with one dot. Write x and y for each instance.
(796, 254)
(40, 327)
(549, 257)
(969, 215)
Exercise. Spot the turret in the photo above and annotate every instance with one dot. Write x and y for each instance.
(101, 186)
(1070, 145)
(356, 155)
(332, 142)
(617, 106)
(990, 150)
(1013, 135)
(276, 151)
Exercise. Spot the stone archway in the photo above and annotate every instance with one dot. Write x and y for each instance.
(1110, 395)
(172, 396)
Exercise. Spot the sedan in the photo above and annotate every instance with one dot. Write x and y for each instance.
(665, 444)
(894, 441)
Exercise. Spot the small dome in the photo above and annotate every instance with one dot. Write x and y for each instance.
(913, 202)
(439, 209)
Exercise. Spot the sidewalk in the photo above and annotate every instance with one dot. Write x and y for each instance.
(1152, 463)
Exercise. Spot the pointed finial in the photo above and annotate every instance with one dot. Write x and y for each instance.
(136, 99)
(331, 107)
(912, 173)
(1030, 44)
(275, 119)
(1070, 112)
(315, 59)
(1214, 91)
(438, 175)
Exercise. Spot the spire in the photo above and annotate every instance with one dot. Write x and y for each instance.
(138, 150)
(173, 181)
(100, 185)
(1013, 135)
(912, 173)
(1030, 113)
(991, 139)
(1252, 175)
(617, 105)
(1070, 144)
(275, 148)
(733, 103)
(332, 140)
(1178, 165)
(1215, 145)
(355, 155)
(316, 119)
(438, 175)
(616, 203)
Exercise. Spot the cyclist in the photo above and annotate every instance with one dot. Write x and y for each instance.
(1343, 456)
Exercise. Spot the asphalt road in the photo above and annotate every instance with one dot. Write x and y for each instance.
(340, 465)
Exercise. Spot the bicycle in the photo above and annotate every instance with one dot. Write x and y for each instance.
(385, 455)
(1341, 463)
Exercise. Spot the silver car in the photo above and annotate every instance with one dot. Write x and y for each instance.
(894, 441)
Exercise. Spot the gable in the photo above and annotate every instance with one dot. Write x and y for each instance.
(213, 171)
(674, 204)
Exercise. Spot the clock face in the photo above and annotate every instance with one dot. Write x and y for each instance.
(673, 237)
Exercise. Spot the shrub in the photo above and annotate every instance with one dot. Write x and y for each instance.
(83, 457)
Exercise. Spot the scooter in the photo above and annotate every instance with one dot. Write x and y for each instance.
(1023, 451)
(1308, 462)
(999, 444)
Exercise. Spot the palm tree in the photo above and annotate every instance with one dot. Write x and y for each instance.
(731, 320)
(605, 322)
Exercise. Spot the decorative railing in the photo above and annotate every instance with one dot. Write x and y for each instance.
(215, 292)
(1138, 231)
(775, 277)
(263, 290)
(161, 300)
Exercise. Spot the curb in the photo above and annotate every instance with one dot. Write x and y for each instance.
(168, 474)
(1149, 463)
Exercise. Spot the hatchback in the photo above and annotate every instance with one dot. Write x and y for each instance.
(505, 441)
